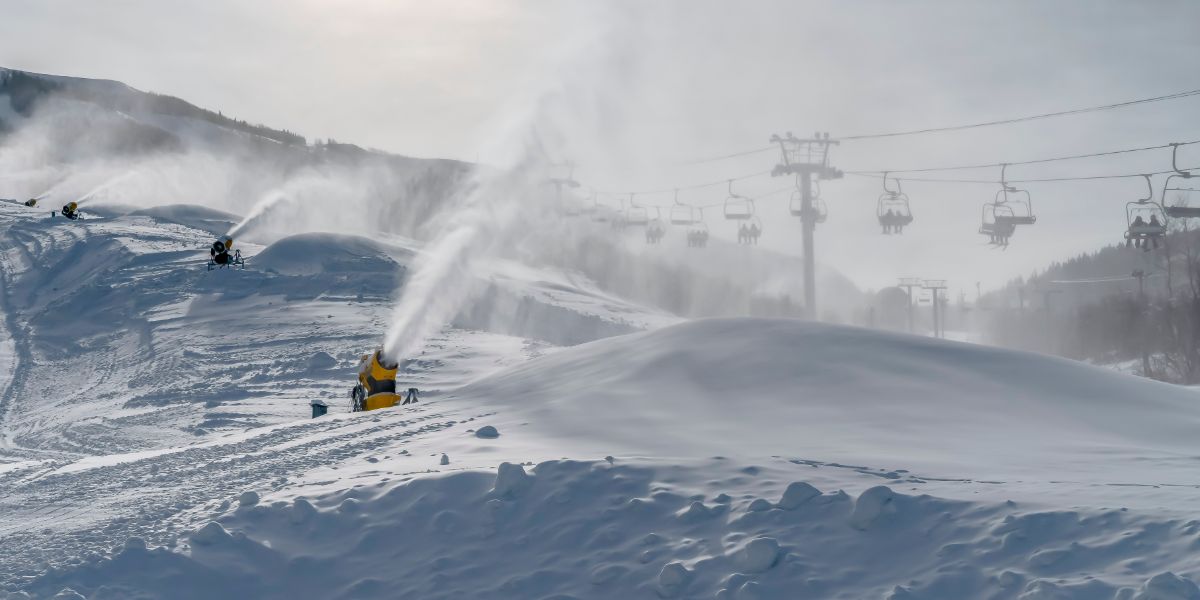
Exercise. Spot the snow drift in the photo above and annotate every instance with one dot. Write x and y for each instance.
(604, 529)
(757, 387)
(203, 218)
(327, 253)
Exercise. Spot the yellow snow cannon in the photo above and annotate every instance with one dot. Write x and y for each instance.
(71, 210)
(32, 202)
(221, 254)
(376, 386)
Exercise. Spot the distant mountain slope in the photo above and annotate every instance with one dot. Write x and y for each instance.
(27, 90)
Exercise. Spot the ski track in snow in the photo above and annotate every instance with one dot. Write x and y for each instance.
(46, 516)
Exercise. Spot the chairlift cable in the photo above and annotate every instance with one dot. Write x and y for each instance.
(1061, 113)
(1034, 180)
(1022, 162)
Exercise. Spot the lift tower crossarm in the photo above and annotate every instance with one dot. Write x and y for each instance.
(934, 286)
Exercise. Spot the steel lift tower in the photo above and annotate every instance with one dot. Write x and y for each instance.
(806, 158)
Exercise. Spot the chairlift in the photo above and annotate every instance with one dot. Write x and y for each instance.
(1146, 221)
(1019, 203)
(738, 208)
(997, 223)
(892, 209)
(636, 215)
(682, 214)
(1181, 208)
(600, 212)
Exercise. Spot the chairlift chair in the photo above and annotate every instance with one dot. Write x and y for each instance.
(1181, 209)
(738, 208)
(1145, 220)
(636, 215)
(997, 222)
(1020, 206)
(892, 208)
(682, 214)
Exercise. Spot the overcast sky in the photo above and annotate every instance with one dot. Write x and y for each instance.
(656, 83)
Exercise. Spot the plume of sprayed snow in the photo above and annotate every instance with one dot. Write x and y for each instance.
(491, 212)
(444, 275)
(110, 183)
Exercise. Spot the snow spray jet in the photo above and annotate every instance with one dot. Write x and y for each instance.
(260, 208)
(489, 212)
(325, 199)
(106, 185)
(443, 277)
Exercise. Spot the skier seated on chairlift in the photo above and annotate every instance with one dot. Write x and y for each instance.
(889, 218)
(220, 251)
(753, 233)
(1139, 240)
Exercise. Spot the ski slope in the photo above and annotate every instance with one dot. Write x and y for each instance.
(569, 444)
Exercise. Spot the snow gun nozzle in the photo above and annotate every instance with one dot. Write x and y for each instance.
(385, 362)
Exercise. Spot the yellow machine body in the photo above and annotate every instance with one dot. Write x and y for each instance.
(378, 378)
(31, 202)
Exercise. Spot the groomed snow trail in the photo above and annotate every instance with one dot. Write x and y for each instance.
(52, 511)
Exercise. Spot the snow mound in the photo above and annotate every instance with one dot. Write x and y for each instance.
(203, 218)
(762, 387)
(487, 432)
(326, 253)
(595, 530)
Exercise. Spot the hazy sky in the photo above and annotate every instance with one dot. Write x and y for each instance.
(658, 82)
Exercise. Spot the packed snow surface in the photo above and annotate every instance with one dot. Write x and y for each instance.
(652, 458)
(326, 253)
(761, 387)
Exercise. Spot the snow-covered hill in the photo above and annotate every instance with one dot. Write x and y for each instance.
(576, 437)
(157, 442)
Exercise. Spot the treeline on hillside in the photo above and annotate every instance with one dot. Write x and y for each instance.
(1083, 309)
(76, 130)
(26, 90)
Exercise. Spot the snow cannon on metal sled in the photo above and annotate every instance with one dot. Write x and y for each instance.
(222, 254)
(376, 387)
(69, 210)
